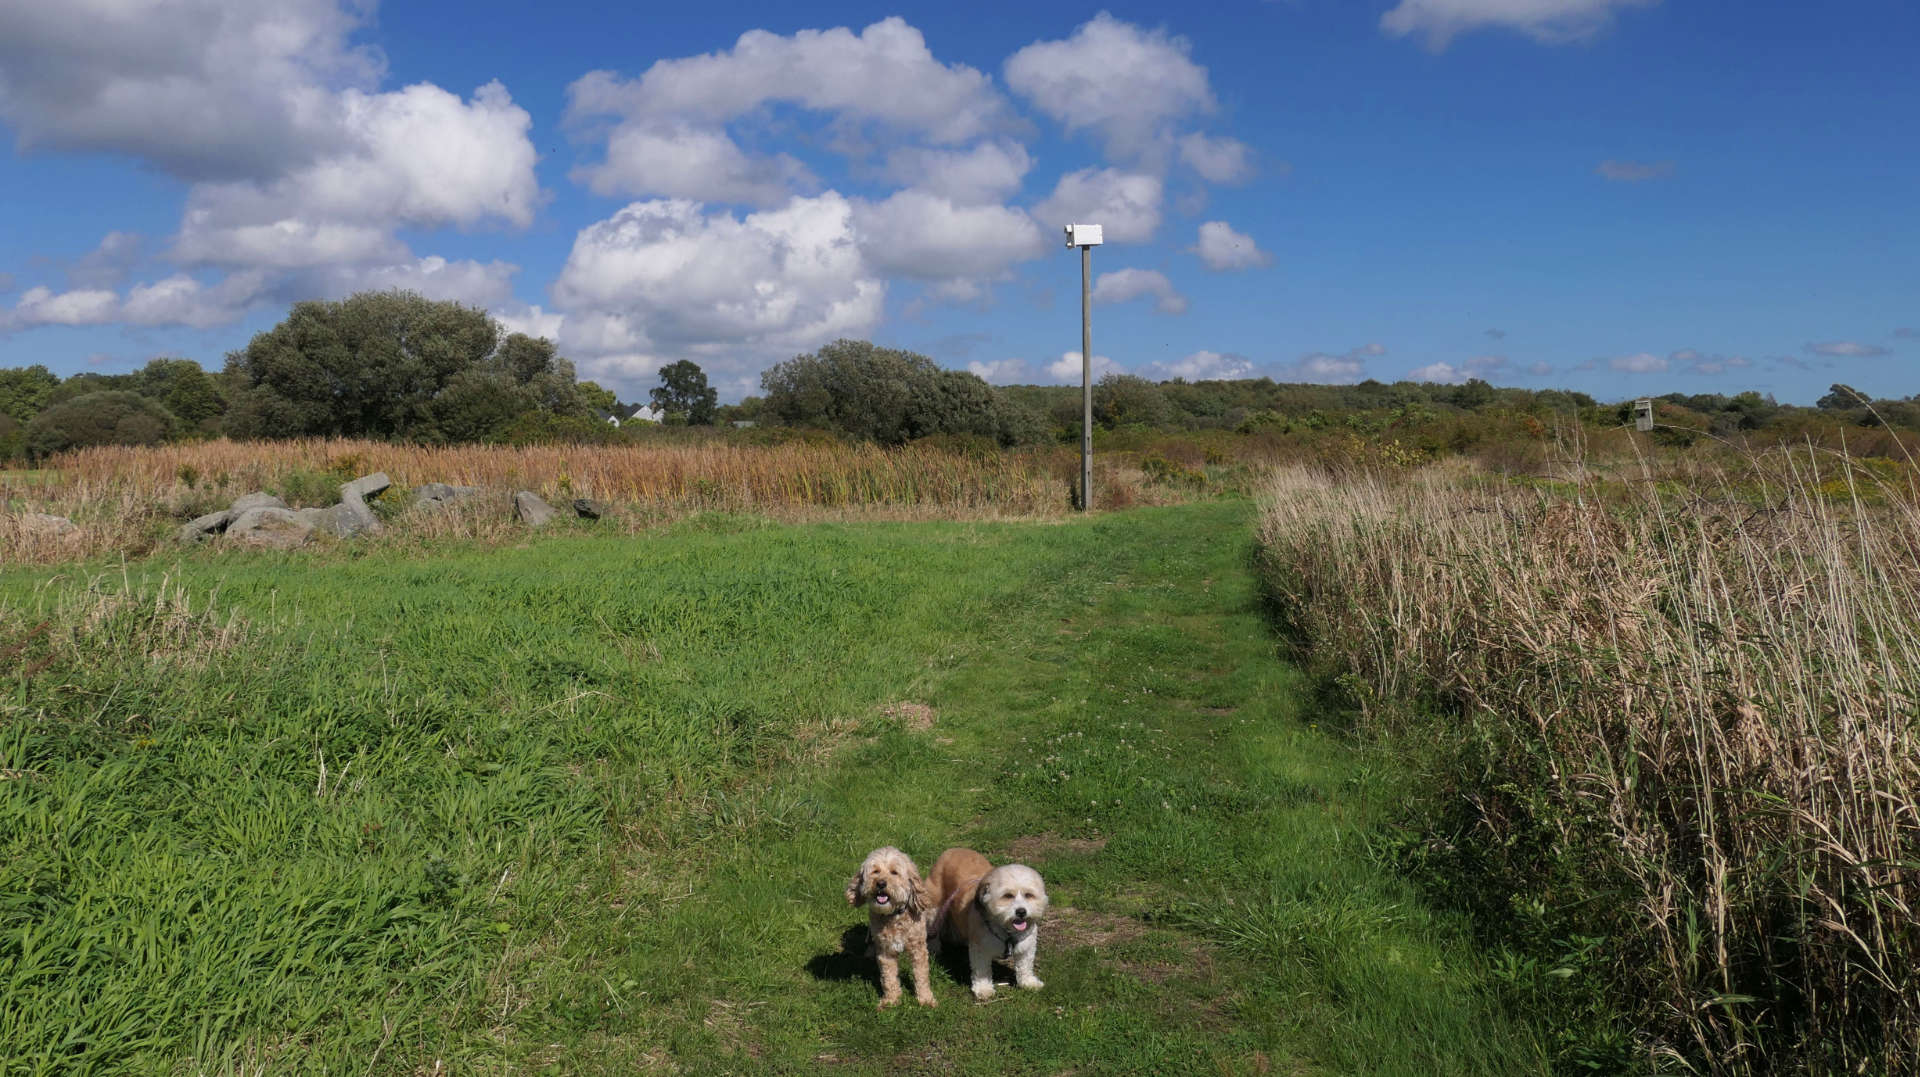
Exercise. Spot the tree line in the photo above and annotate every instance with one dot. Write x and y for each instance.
(395, 365)
(376, 364)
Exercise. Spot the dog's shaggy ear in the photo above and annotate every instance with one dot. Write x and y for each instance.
(916, 891)
(856, 892)
(982, 894)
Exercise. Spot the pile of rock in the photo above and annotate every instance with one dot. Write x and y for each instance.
(530, 509)
(265, 520)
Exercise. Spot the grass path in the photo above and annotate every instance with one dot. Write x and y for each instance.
(1122, 723)
(588, 805)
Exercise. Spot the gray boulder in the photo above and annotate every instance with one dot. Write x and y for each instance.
(365, 486)
(348, 519)
(211, 524)
(531, 510)
(439, 493)
(588, 509)
(279, 529)
(255, 501)
(40, 523)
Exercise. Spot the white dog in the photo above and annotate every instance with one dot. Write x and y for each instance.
(995, 911)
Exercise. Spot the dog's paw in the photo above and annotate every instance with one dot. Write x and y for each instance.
(927, 1000)
(1032, 983)
(982, 992)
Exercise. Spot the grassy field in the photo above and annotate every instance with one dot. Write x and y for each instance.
(588, 805)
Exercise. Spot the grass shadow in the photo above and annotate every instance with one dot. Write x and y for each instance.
(850, 962)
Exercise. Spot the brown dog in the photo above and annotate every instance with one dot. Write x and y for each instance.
(995, 911)
(899, 908)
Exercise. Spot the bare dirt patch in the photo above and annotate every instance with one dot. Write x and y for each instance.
(1074, 928)
(915, 716)
(1195, 964)
(1039, 848)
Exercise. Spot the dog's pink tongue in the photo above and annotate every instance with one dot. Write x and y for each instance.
(880, 899)
(1019, 925)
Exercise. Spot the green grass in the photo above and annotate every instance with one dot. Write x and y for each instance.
(588, 805)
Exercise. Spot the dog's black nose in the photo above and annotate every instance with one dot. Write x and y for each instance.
(1020, 913)
(880, 884)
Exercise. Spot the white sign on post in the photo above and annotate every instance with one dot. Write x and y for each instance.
(1084, 235)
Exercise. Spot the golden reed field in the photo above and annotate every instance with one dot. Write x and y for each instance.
(130, 500)
(1677, 712)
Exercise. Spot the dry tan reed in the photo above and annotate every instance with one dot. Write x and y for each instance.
(128, 500)
(1700, 696)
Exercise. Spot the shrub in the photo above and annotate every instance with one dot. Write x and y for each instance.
(109, 418)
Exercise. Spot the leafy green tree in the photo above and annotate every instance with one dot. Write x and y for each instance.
(748, 410)
(368, 365)
(106, 418)
(597, 398)
(1129, 400)
(85, 384)
(24, 391)
(525, 376)
(1752, 410)
(12, 438)
(190, 393)
(1841, 398)
(683, 394)
(890, 396)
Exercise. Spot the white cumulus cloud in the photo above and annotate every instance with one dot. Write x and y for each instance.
(1003, 371)
(1223, 249)
(1067, 367)
(1342, 369)
(1480, 366)
(667, 275)
(420, 156)
(1217, 160)
(1128, 86)
(1208, 366)
(676, 159)
(925, 235)
(1126, 285)
(885, 73)
(988, 172)
(205, 89)
(1125, 204)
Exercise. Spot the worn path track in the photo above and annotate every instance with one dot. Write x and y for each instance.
(1127, 728)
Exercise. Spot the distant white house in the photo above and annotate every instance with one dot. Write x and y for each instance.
(626, 413)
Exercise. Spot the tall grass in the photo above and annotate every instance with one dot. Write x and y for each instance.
(1672, 721)
(128, 500)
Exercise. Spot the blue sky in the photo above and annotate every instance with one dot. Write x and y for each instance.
(1620, 196)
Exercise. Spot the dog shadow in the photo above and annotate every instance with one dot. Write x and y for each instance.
(852, 962)
(952, 959)
(849, 962)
